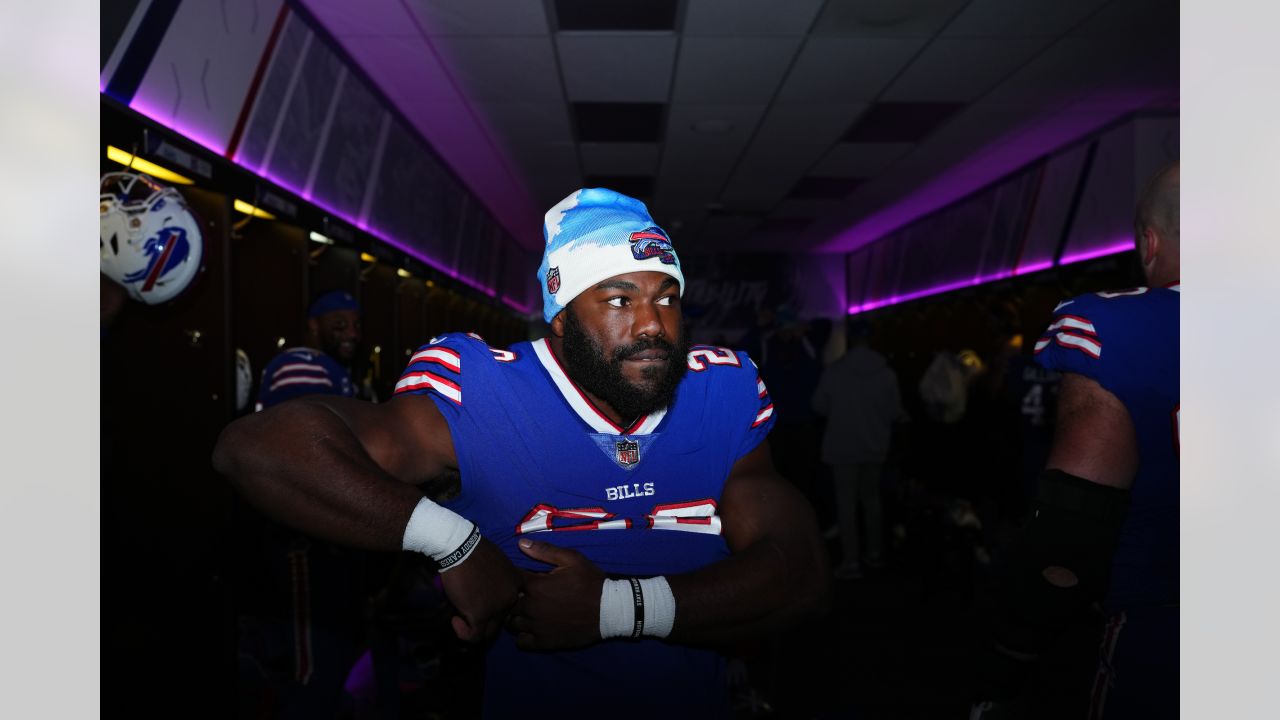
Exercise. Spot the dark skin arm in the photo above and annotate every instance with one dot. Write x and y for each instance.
(776, 576)
(345, 470)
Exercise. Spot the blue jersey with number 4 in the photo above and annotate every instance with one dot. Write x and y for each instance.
(1127, 341)
(537, 459)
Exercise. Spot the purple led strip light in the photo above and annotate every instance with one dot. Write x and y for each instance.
(141, 107)
(1097, 252)
(983, 279)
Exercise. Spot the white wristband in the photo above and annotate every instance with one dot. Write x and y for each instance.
(634, 608)
(659, 607)
(441, 533)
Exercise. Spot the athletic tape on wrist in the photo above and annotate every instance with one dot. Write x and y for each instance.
(441, 533)
(637, 608)
(617, 610)
(659, 607)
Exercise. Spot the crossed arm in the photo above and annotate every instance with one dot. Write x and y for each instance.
(345, 471)
(776, 575)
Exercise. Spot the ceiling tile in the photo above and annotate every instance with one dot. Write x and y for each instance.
(619, 158)
(790, 207)
(556, 159)
(615, 14)
(723, 124)
(757, 191)
(901, 122)
(860, 160)
(962, 69)
(732, 70)
(786, 160)
(846, 70)
(810, 124)
(823, 188)
(1019, 18)
(477, 17)
(547, 190)
(528, 122)
(637, 186)
(615, 67)
(693, 175)
(719, 228)
(344, 19)
(1133, 20)
(483, 67)
(886, 18)
(618, 122)
(385, 59)
(749, 17)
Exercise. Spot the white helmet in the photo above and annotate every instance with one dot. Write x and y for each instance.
(151, 243)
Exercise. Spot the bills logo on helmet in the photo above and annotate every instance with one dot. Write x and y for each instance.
(553, 280)
(627, 452)
(652, 242)
(165, 251)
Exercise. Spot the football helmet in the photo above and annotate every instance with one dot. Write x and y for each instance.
(151, 243)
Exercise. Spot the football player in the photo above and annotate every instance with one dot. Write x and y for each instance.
(1105, 527)
(611, 496)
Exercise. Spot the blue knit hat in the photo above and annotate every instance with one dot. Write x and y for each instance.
(595, 234)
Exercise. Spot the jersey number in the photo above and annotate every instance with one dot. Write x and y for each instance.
(697, 516)
(701, 357)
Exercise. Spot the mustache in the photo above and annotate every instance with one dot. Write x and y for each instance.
(639, 346)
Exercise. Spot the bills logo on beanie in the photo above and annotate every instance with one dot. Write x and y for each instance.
(595, 234)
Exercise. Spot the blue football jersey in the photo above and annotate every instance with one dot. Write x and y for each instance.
(1127, 341)
(302, 371)
(536, 458)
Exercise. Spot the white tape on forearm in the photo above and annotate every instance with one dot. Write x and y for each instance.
(617, 609)
(620, 599)
(659, 607)
(441, 533)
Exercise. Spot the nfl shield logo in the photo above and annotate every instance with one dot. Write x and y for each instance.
(627, 452)
(553, 280)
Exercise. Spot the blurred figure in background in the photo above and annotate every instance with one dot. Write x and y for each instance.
(859, 395)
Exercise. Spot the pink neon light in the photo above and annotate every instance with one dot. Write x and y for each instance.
(1034, 267)
(1096, 253)
(166, 119)
(981, 280)
(143, 109)
(935, 290)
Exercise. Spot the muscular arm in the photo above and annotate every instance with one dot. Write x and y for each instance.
(1062, 559)
(776, 575)
(1095, 439)
(344, 470)
(329, 466)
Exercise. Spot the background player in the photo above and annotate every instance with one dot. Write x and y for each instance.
(1106, 521)
(642, 462)
(303, 601)
(323, 365)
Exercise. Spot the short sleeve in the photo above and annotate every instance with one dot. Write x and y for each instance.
(436, 369)
(760, 421)
(1074, 342)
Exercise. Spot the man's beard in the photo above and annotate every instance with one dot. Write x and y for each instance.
(585, 360)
